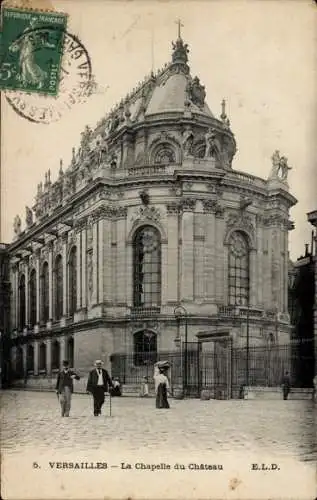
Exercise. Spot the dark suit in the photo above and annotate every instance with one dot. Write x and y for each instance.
(65, 387)
(98, 391)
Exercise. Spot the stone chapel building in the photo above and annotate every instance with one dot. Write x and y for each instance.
(150, 215)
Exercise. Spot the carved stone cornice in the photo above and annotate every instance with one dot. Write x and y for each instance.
(146, 213)
(187, 204)
(173, 208)
(120, 212)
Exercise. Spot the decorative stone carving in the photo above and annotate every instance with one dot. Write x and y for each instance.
(28, 217)
(188, 204)
(164, 155)
(280, 167)
(146, 213)
(17, 226)
(58, 246)
(180, 51)
(187, 142)
(210, 206)
(196, 92)
(120, 212)
(211, 149)
(240, 221)
(173, 208)
(89, 232)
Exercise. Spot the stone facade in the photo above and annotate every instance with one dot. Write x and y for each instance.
(159, 160)
(312, 218)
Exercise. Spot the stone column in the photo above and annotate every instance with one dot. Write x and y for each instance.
(108, 292)
(36, 357)
(13, 308)
(64, 255)
(62, 351)
(252, 278)
(27, 294)
(219, 275)
(49, 356)
(199, 243)
(187, 252)
(170, 274)
(268, 269)
(24, 352)
(210, 253)
(78, 269)
(94, 298)
(285, 302)
(121, 286)
(100, 261)
(113, 262)
(50, 280)
(83, 270)
(38, 272)
(259, 266)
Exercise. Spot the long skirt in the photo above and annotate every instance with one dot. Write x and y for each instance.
(161, 397)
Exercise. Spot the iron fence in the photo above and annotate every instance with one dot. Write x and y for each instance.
(221, 369)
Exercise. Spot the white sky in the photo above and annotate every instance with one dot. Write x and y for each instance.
(259, 56)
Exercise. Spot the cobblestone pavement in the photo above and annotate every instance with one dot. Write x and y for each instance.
(284, 428)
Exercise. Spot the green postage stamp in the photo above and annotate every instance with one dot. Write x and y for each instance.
(31, 48)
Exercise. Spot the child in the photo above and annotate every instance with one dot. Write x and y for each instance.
(144, 388)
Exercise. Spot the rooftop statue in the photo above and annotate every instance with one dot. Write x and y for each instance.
(28, 217)
(280, 167)
(17, 225)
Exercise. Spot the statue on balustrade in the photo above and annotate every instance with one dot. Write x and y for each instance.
(187, 142)
(211, 145)
(28, 217)
(17, 225)
(280, 167)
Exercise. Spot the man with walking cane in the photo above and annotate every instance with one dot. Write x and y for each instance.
(65, 388)
(99, 382)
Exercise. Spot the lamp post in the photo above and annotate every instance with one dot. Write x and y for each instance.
(179, 312)
(149, 336)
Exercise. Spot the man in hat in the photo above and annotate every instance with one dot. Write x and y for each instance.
(65, 387)
(99, 382)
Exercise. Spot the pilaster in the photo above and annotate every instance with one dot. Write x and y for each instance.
(187, 251)
(101, 259)
(108, 292)
(170, 273)
(252, 278)
(220, 271)
(259, 267)
(78, 269)
(36, 357)
(27, 294)
(113, 261)
(83, 270)
(199, 243)
(64, 254)
(121, 290)
(94, 298)
(62, 351)
(49, 356)
(37, 266)
(210, 255)
(50, 280)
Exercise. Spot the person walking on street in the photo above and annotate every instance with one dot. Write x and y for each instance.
(65, 387)
(98, 383)
(161, 389)
(144, 392)
(286, 385)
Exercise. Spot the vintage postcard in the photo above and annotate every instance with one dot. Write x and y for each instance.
(158, 250)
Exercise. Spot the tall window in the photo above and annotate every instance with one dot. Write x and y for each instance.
(45, 293)
(32, 293)
(72, 280)
(22, 302)
(238, 269)
(30, 358)
(147, 267)
(42, 357)
(19, 363)
(70, 351)
(145, 348)
(58, 286)
(55, 355)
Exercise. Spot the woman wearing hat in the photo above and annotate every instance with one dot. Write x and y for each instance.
(161, 386)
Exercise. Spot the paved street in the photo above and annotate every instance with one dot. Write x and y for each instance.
(31, 426)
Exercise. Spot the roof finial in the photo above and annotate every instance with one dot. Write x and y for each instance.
(180, 25)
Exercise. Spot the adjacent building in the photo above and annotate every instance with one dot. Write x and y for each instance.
(149, 216)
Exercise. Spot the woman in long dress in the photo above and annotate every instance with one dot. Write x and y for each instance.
(161, 388)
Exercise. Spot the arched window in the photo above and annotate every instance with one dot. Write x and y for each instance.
(147, 267)
(238, 269)
(58, 286)
(32, 294)
(70, 351)
(44, 293)
(22, 317)
(55, 355)
(30, 358)
(19, 363)
(72, 281)
(42, 357)
(165, 155)
(145, 348)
